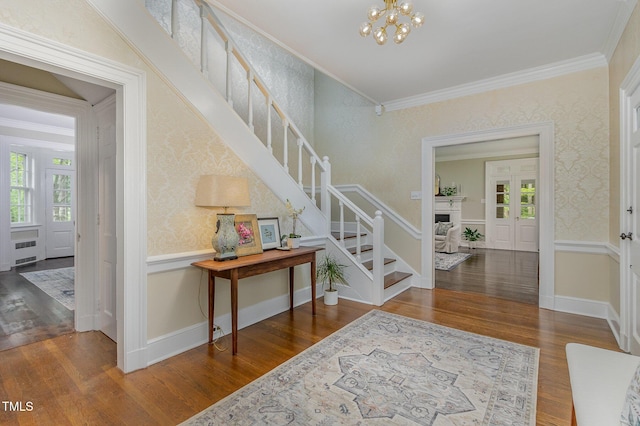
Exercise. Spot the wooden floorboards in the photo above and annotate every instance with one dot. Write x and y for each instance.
(28, 314)
(511, 275)
(73, 379)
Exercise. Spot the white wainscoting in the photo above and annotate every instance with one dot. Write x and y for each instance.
(179, 341)
(586, 307)
(174, 343)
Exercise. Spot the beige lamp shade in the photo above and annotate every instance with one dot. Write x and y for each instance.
(222, 191)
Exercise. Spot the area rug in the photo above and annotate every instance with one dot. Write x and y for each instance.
(388, 369)
(57, 283)
(448, 261)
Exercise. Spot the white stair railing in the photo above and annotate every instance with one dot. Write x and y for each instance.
(305, 177)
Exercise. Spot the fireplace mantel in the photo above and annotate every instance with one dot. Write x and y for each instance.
(451, 205)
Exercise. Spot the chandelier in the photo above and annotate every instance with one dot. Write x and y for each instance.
(393, 13)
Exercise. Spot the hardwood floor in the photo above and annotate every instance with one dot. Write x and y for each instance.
(73, 379)
(511, 275)
(28, 314)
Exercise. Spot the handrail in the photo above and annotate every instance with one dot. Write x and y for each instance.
(244, 63)
(207, 15)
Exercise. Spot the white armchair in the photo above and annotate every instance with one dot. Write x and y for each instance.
(447, 237)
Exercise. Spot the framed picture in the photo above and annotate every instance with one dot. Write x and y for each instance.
(247, 228)
(269, 232)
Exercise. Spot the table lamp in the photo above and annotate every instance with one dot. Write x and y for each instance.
(223, 191)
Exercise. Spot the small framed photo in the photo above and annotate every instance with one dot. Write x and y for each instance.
(247, 228)
(269, 232)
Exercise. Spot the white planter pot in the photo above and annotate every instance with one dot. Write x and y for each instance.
(293, 242)
(331, 297)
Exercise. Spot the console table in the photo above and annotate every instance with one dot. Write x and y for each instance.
(248, 266)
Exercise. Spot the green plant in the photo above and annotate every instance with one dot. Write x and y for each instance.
(472, 234)
(330, 271)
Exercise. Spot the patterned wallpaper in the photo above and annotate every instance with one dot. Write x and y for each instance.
(180, 145)
(381, 153)
(388, 148)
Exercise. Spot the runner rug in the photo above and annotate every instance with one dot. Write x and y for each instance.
(389, 369)
(57, 283)
(448, 261)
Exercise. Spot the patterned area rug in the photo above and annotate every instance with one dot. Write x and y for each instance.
(389, 369)
(448, 261)
(57, 283)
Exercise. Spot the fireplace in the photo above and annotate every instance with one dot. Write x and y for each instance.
(442, 217)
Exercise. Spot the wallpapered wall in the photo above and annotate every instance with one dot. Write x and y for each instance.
(181, 146)
(390, 145)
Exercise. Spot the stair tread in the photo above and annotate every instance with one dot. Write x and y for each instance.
(364, 248)
(347, 235)
(394, 278)
(369, 263)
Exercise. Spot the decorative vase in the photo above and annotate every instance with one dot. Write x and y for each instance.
(225, 240)
(331, 297)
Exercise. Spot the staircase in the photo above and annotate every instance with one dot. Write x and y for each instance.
(240, 107)
(391, 276)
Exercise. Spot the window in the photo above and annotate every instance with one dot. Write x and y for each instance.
(503, 199)
(528, 199)
(20, 188)
(61, 198)
(61, 162)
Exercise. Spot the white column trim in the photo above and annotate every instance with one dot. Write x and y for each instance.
(130, 84)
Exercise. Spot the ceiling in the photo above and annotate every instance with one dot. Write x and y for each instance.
(461, 42)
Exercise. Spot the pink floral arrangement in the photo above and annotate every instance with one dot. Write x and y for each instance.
(245, 233)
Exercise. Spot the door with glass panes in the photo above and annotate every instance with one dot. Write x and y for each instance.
(60, 210)
(512, 222)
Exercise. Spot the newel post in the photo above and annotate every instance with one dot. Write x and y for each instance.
(325, 197)
(378, 259)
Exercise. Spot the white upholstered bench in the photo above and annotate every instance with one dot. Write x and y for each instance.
(599, 382)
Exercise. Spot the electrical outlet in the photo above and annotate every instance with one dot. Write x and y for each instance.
(216, 328)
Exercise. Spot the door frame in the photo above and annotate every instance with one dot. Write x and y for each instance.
(630, 84)
(129, 83)
(545, 132)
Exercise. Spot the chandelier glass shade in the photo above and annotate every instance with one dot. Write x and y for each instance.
(392, 14)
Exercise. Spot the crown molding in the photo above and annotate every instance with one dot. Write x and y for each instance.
(617, 29)
(556, 69)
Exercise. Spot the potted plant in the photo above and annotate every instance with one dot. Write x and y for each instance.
(472, 235)
(330, 271)
(293, 239)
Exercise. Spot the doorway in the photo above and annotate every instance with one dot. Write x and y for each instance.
(130, 86)
(544, 131)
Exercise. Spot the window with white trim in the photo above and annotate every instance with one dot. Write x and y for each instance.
(20, 188)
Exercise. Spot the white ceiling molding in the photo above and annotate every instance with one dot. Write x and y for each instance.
(622, 18)
(36, 127)
(488, 154)
(35, 143)
(501, 82)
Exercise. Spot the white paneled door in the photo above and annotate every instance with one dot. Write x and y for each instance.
(630, 224)
(511, 211)
(107, 256)
(60, 211)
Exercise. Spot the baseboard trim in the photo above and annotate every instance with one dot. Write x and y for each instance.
(177, 342)
(586, 307)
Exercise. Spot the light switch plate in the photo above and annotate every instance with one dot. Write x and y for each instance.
(416, 195)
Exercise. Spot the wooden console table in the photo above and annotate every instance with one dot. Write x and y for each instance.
(256, 264)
